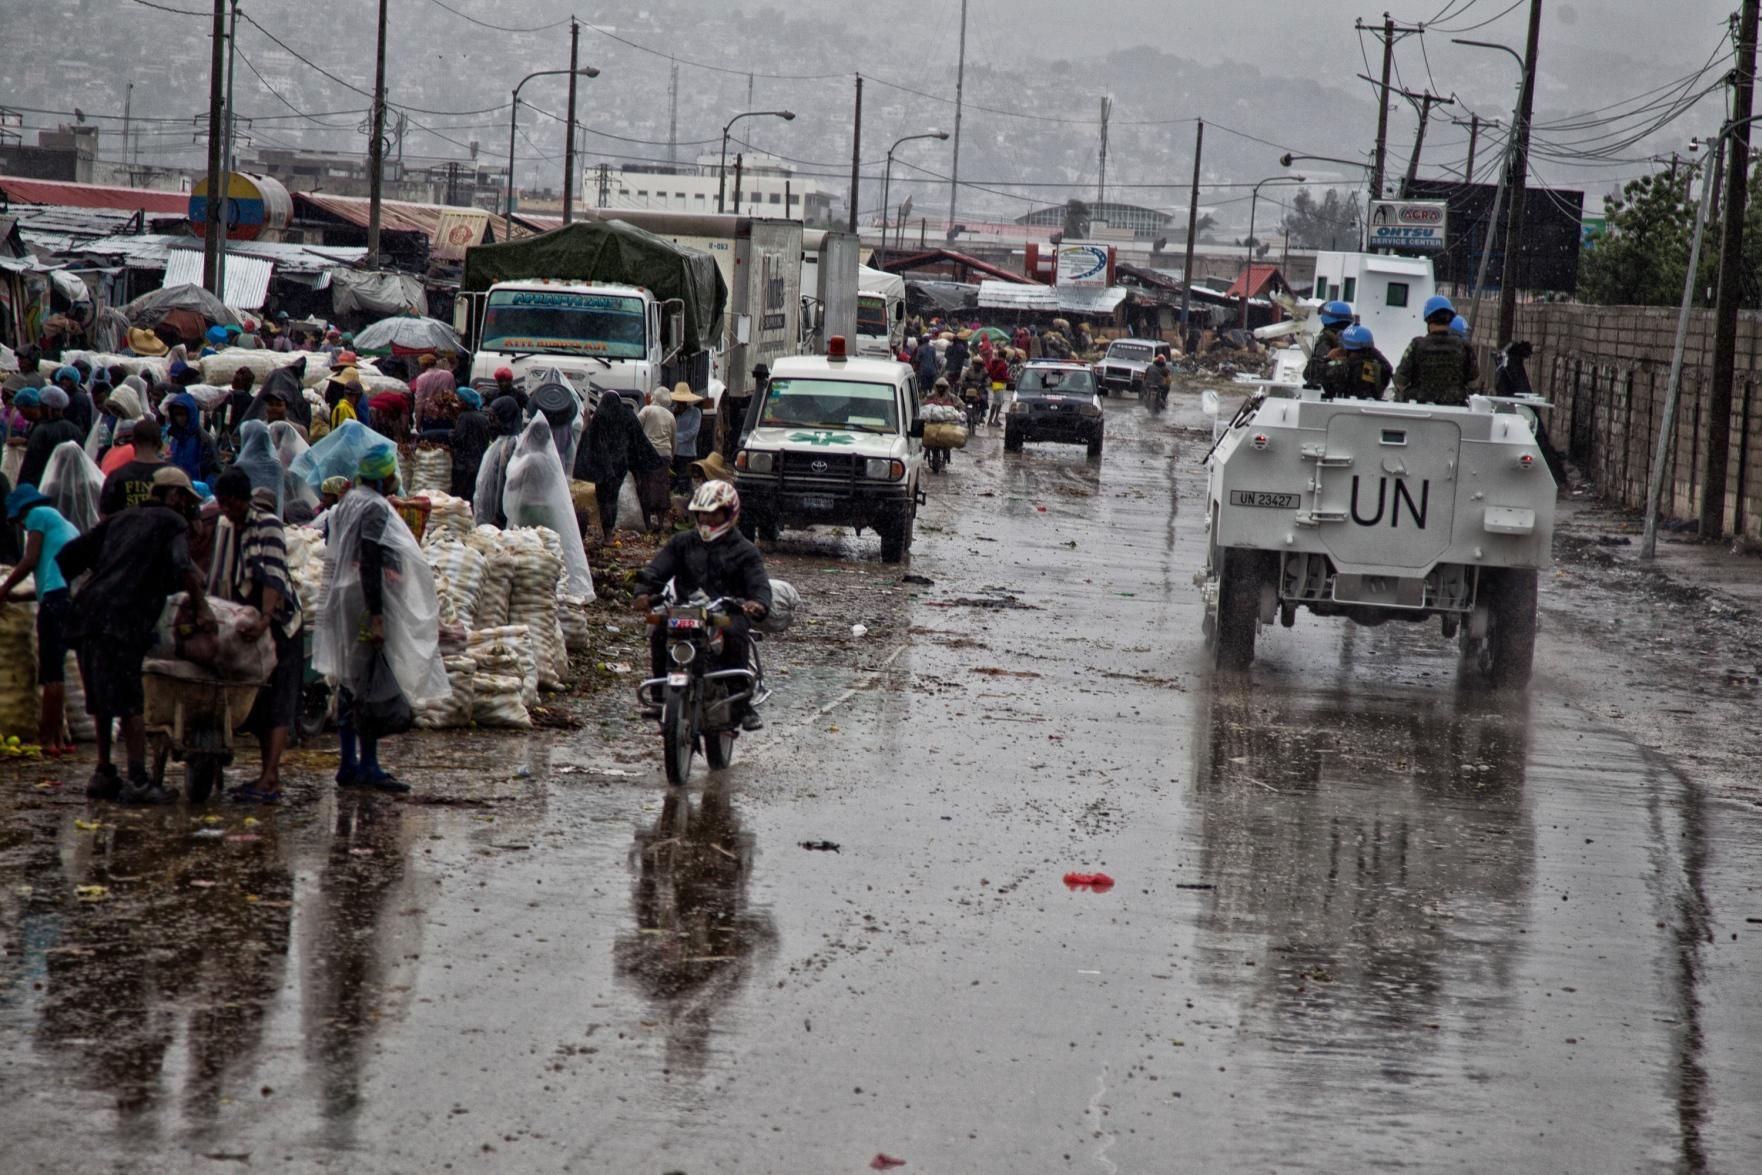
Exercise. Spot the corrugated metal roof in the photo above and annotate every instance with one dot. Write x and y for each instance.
(397, 215)
(29, 191)
(247, 278)
(149, 251)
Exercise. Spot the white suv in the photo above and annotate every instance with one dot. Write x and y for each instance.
(834, 441)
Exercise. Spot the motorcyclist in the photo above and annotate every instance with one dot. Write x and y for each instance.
(1157, 378)
(716, 559)
(1438, 367)
(975, 388)
(1357, 370)
(1335, 317)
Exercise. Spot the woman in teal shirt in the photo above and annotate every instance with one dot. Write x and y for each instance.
(46, 532)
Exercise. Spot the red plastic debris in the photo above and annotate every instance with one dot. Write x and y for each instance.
(882, 1162)
(1094, 881)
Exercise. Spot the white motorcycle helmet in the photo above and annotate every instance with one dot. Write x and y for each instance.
(711, 497)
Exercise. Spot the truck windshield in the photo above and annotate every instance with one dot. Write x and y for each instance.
(1127, 352)
(871, 315)
(555, 322)
(830, 403)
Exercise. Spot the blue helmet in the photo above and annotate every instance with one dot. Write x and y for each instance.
(1335, 313)
(1356, 338)
(1459, 326)
(1437, 304)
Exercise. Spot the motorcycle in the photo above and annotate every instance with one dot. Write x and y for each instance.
(698, 704)
(937, 458)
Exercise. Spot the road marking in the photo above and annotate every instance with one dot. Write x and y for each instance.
(850, 693)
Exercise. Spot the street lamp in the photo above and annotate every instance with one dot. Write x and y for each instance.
(1253, 199)
(586, 71)
(1288, 159)
(887, 181)
(722, 180)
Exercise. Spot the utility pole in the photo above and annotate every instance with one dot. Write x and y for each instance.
(1520, 156)
(672, 118)
(1192, 229)
(1101, 182)
(960, 80)
(605, 183)
(569, 125)
(1388, 34)
(856, 155)
(1426, 102)
(226, 163)
(213, 227)
(1731, 272)
(376, 148)
(128, 102)
(737, 160)
(1474, 138)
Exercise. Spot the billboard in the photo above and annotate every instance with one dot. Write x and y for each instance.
(1083, 263)
(1410, 226)
(1552, 235)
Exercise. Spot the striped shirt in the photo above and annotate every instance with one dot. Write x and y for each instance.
(248, 562)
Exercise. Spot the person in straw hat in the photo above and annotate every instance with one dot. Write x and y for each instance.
(688, 421)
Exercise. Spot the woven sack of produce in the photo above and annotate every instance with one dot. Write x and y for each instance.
(532, 599)
(577, 627)
(587, 506)
(305, 548)
(151, 369)
(18, 666)
(220, 368)
(944, 436)
(81, 727)
(449, 519)
(462, 569)
(497, 703)
(511, 640)
(785, 603)
(454, 710)
(430, 470)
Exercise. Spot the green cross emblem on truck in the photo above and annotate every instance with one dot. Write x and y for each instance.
(822, 438)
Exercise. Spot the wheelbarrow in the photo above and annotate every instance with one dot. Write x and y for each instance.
(190, 716)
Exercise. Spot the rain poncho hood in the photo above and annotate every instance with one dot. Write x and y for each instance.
(412, 613)
(258, 460)
(537, 494)
(287, 382)
(338, 454)
(469, 442)
(183, 443)
(121, 411)
(71, 483)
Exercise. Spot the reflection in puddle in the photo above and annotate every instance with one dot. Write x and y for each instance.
(697, 940)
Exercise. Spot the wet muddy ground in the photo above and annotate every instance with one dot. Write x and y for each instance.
(1363, 915)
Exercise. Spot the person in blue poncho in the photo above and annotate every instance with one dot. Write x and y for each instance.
(187, 445)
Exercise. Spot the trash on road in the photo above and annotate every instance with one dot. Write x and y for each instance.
(859, 630)
(91, 893)
(820, 846)
(921, 580)
(884, 1161)
(1099, 882)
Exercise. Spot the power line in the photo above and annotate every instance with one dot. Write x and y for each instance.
(484, 24)
(1469, 28)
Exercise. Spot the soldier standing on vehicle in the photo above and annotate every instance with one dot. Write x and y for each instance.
(1335, 318)
(1360, 371)
(1438, 367)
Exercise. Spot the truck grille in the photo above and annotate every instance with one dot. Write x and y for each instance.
(838, 466)
(1119, 373)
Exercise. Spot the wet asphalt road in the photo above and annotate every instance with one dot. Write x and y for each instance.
(1364, 917)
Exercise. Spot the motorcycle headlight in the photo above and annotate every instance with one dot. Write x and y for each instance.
(883, 469)
(683, 652)
(756, 462)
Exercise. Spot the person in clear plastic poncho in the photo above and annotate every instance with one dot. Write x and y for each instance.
(537, 494)
(71, 482)
(299, 500)
(380, 598)
(256, 458)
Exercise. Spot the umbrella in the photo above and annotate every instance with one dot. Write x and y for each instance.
(407, 335)
(995, 334)
(149, 310)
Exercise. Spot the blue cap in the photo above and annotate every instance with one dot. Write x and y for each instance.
(1435, 305)
(217, 335)
(72, 373)
(27, 398)
(470, 397)
(1356, 338)
(1459, 326)
(1336, 312)
(202, 490)
(22, 499)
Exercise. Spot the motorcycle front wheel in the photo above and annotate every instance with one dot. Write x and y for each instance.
(719, 749)
(677, 744)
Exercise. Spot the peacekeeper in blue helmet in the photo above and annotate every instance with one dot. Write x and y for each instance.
(1360, 372)
(1335, 317)
(1439, 367)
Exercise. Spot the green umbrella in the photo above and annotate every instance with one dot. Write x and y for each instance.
(995, 334)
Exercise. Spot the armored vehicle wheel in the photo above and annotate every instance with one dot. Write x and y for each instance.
(1511, 628)
(1240, 574)
(1012, 439)
(1095, 445)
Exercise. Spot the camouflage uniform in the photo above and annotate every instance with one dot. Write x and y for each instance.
(1362, 375)
(1315, 371)
(1438, 368)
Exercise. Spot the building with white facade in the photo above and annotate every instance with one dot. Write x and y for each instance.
(768, 187)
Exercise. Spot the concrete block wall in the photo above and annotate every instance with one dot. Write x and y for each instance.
(1606, 369)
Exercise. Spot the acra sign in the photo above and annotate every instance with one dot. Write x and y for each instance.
(1413, 226)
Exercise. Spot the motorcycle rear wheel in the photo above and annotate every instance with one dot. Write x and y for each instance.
(677, 744)
(719, 749)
